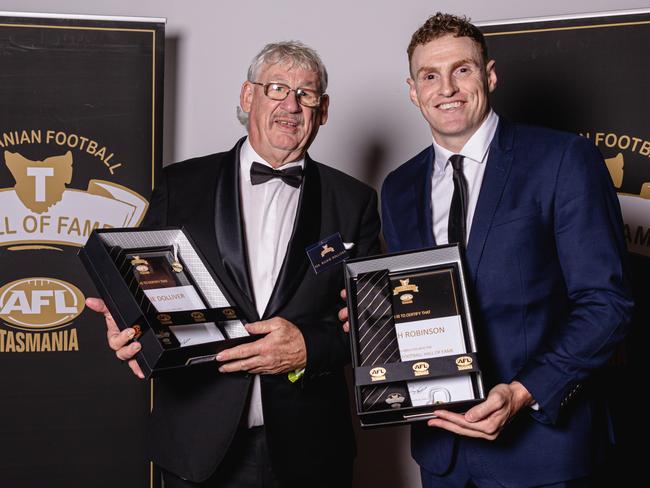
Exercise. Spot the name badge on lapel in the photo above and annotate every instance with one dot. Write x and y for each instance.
(327, 253)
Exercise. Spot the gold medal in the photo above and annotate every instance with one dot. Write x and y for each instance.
(176, 265)
(141, 265)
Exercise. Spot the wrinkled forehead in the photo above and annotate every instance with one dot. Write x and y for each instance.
(287, 69)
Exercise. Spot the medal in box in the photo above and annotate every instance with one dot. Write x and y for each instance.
(157, 282)
(412, 338)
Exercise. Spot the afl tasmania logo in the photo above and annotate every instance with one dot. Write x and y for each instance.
(421, 368)
(39, 304)
(378, 373)
(41, 309)
(464, 362)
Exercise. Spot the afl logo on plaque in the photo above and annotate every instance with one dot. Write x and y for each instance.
(464, 362)
(421, 368)
(378, 374)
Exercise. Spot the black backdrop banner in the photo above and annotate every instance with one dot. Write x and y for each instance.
(80, 147)
(590, 75)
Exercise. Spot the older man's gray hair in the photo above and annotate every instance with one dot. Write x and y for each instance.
(293, 52)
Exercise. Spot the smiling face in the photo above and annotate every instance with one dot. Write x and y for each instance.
(450, 84)
(281, 131)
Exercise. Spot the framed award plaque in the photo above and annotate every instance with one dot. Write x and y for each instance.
(157, 282)
(412, 338)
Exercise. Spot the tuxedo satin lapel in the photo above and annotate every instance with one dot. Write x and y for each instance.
(306, 231)
(496, 174)
(422, 189)
(230, 246)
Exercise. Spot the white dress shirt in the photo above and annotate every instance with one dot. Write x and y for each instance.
(269, 211)
(475, 153)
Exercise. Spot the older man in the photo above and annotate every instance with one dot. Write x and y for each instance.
(538, 215)
(277, 412)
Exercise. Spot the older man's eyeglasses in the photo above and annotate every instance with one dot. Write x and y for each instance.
(280, 91)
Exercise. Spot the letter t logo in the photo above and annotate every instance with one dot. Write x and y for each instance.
(39, 174)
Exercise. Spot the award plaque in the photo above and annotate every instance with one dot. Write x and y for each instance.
(156, 282)
(428, 323)
(425, 348)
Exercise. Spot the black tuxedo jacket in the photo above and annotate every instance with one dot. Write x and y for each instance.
(197, 412)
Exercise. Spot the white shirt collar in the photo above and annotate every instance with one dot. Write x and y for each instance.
(248, 155)
(476, 148)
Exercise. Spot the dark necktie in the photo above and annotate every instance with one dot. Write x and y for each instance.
(456, 230)
(378, 340)
(260, 173)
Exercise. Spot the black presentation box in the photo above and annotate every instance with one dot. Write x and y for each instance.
(157, 282)
(411, 334)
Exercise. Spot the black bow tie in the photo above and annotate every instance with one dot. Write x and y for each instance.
(261, 173)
